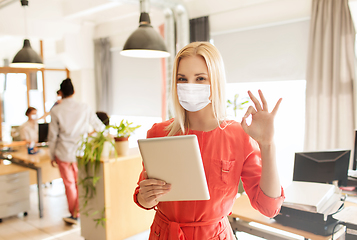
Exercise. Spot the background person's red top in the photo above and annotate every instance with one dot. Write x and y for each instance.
(227, 155)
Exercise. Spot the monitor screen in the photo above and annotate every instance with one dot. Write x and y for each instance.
(323, 166)
(42, 132)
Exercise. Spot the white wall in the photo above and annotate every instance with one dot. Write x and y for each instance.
(270, 53)
(137, 86)
(78, 54)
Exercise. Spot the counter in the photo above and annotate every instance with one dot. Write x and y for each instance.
(114, 191)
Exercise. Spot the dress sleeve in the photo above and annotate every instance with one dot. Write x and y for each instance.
(150, 134)
(251, 173)
(141, 177)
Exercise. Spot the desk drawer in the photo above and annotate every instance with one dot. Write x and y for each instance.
(10, 209)
(14, 181)
(14, 195)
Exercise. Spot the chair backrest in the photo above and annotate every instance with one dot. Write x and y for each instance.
(15, 133)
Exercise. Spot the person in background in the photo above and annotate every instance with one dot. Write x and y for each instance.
(230, 151)
(103, 117)
(59, 98)
(29, 129)
(58, 101)
(70, 120)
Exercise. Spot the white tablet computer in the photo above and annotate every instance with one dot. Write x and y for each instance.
(176, 160)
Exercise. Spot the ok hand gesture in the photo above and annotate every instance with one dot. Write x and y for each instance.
(261, 128)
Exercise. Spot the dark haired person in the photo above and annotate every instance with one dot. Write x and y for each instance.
(103, 117)
(29, 130)
(69, 121)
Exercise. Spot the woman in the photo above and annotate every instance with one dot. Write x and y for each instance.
(29, 130)
(229, 151)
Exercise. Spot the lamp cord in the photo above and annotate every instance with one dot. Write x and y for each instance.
(25, 18)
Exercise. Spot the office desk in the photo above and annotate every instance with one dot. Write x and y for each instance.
(37, 162)
(246, 213)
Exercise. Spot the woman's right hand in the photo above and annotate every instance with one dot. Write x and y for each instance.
(150, 190)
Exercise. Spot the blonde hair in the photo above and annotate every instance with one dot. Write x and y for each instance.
(217, 78)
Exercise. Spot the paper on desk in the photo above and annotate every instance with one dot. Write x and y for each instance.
(348, 215)
(352, 199)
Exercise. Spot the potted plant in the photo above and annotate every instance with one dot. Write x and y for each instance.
(237, 105)
(122, 134)
(92, 148)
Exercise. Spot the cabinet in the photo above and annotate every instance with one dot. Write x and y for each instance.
(114, 194)
(15, 194)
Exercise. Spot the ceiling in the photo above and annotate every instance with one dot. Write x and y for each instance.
(51, 20)
(54, 18)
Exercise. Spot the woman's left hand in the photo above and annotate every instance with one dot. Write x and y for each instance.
(261, 128)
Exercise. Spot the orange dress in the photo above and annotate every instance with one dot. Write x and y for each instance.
(227, 155)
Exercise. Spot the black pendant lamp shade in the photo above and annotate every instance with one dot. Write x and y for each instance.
(27, 57)
(145, 42)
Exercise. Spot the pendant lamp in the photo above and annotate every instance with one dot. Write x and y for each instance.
(145, 42)
(27, 57)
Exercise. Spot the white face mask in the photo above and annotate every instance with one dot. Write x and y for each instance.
(33, 116)
(193, 97)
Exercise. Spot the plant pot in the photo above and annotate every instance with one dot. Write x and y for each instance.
(121, 145)
(107, 149)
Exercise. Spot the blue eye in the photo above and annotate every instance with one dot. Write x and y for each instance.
(201, 79)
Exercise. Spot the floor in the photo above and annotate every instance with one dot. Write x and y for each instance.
(51, 226)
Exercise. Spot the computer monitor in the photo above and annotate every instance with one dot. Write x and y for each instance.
(322, 166)
(42, 132)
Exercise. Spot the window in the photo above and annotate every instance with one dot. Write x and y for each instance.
(289, 122)
(14, 101)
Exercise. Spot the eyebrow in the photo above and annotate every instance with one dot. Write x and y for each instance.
(197, 74)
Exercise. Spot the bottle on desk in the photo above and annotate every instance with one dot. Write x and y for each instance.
(31, 148)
